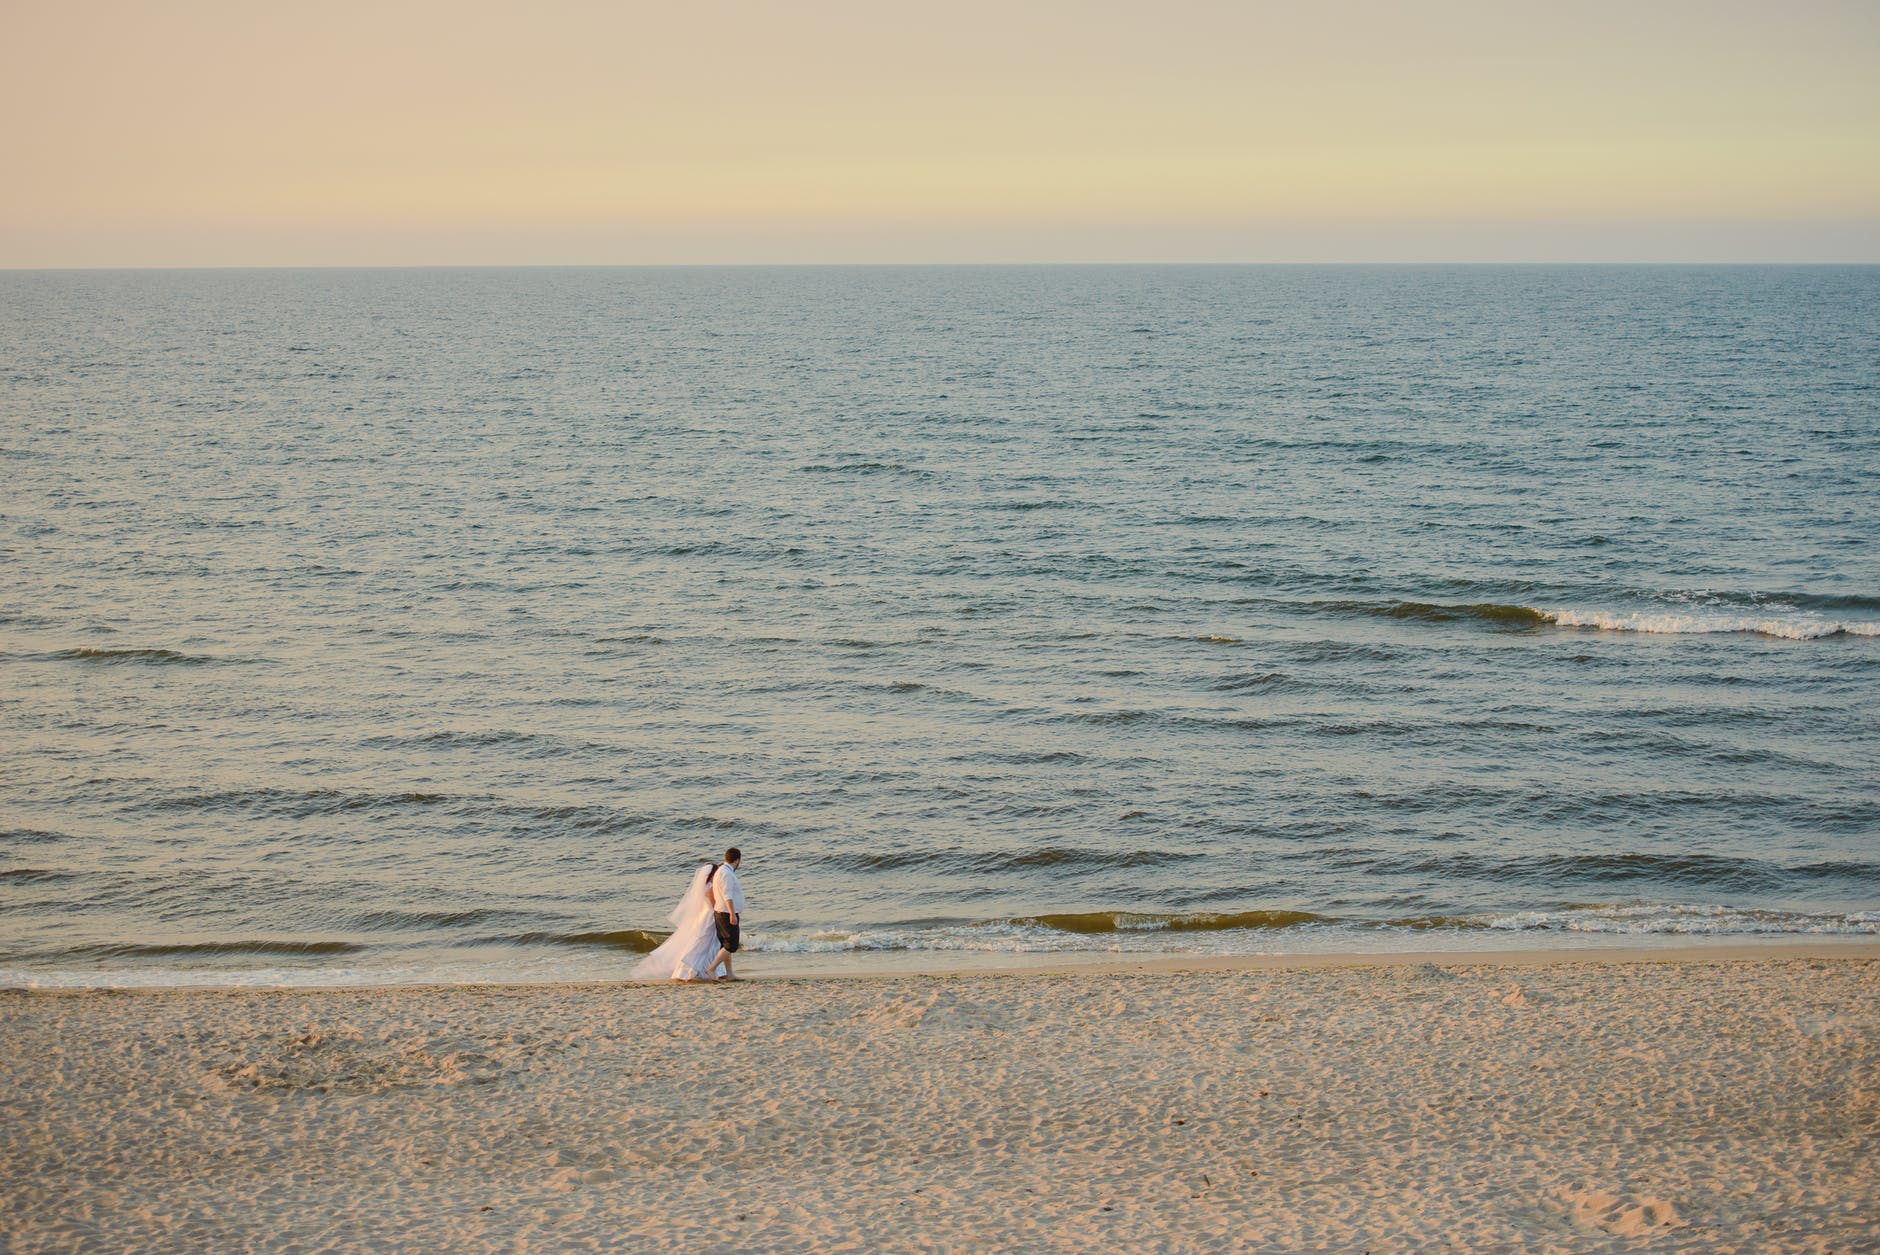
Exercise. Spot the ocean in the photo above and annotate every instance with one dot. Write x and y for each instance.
(394, 625)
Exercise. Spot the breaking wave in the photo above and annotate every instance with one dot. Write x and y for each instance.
(1646, 919)
(632, 940)
(1785, 621)
(1797, 628)
(1486, 613)
(1253, 932)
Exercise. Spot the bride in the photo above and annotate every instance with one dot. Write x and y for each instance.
(688, 953)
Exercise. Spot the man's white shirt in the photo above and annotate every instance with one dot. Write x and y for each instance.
(727, 893)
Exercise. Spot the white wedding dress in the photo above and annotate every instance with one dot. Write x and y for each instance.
(694, 942)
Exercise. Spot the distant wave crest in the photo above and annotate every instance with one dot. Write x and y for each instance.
(223, 949)
(1800, 627)
(1786, 622)
(1487, 612)
(134, 657)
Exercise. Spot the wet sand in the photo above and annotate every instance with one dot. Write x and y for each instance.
(1715, 1099)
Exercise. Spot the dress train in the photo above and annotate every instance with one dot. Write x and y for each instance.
(694, 942)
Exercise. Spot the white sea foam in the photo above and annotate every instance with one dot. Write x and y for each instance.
(1644, 919)
(968, 938)
(1689, 920)
(519, 969)
(1793, 626)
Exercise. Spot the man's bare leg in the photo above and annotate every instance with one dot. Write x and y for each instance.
(722, 960)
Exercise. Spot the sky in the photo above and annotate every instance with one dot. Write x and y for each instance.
(413, 132)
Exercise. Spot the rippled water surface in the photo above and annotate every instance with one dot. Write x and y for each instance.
(382, 624)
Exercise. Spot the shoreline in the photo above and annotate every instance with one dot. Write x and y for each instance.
(940, 965)
(1076, 964)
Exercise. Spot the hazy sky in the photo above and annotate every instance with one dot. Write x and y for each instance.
(198, 132)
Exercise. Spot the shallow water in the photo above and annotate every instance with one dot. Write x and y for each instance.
(373, 622)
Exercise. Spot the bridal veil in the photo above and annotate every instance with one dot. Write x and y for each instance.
(687, 954)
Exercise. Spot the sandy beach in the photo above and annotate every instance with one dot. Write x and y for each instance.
(1692, 1101)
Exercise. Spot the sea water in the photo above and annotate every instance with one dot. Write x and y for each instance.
(434, 624)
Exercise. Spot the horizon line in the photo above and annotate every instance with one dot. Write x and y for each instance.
(931, 265)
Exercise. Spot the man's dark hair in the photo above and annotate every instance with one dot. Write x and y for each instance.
(733, 854)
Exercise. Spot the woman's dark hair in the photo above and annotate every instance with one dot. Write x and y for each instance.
(733, 854)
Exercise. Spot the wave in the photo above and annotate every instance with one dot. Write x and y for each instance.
(1019, 757)
(862, 466)
(1101, 717)
(1486, 612)
(1234, 932)
(32, 875)
(33, 836)
(1718, 616)
(1795, 628)
(530, 744)
(1245, 681)
(1089, 923)
(986, 862)
(399, 920)
(1133, 931)
(132, 657)
(632, 940)
(299, 803)
(220, 949)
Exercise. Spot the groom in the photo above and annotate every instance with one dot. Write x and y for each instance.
(727, 906)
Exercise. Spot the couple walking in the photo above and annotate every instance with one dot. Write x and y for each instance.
(704, 927)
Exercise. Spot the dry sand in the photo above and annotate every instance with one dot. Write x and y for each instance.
(1669, 1104)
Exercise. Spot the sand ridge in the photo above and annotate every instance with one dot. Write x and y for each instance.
(1578, 1106)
